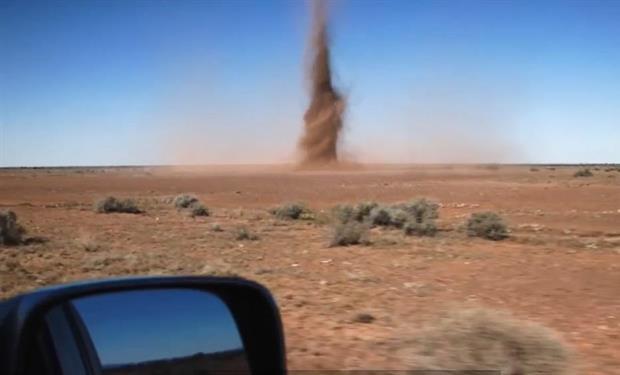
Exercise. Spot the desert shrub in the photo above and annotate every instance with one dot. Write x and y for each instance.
(348, 233)
(421, 210)
(585, 172)
(112, 204)
(291, 211)
(426, 228)
(363, 210)
(191, 205)
(380, 216)
(534, 169)
(420, 214)
(398, 217)
(198, 209)
(360, 213)
(216, 227)
(343, 213)
(487, 225)
(11, 233)
(185, 201)
(244, 234)
(476, 338)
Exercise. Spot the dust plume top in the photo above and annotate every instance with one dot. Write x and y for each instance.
(323, 118)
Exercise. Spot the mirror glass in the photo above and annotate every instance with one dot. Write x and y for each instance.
(158, 331)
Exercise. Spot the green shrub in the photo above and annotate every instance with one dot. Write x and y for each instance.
(419, 214)
(11, 233)
(290, 211)
(182, 201)
(421, 210)
(348, 233)
(244, 234)
(583, 173)
(360, 213)
(398, 217)
(487, 225)
(191, 205)
(198, 209)
(362, 210)
(380, 216)
(427, 228)
(112, 204)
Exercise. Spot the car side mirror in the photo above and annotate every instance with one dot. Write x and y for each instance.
(169, 325)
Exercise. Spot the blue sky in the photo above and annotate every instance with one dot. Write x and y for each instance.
(138, 326)
(198, 82)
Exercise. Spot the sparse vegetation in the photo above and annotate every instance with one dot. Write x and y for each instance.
(114, 205)
(244, 234)
(191, 205)
(380, 216)
(11, 232)
(359, 213)
(487, 225)
(398, 217)
(185, 201)
(290, 211)
(198, 209)
(421, 209)
(426, 228)
(534, 169)
(476, 338)
(396, 269)
(362, 210)
(585, 172)
(349, 233)
(419, 214)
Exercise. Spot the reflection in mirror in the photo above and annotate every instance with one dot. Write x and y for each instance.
(159, 331)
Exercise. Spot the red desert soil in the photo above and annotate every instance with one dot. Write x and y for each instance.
(560, 267)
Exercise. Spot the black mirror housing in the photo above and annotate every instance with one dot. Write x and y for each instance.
(251, 305)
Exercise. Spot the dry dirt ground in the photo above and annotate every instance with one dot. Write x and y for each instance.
(560, 267)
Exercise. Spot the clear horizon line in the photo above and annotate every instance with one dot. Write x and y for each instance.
(120, 166)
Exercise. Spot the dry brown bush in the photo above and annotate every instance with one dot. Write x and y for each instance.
(11, 233)
(112, 204)
(349, 233)
(485, 339)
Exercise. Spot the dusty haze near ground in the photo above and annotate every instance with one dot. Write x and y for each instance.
(560, 267)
